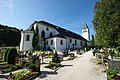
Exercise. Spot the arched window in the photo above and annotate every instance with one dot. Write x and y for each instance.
(27, 37)
(51, 42)
(81, 43)
(75, 42)
(50, 35)
(43, 34)
(61, 42)
(47, 42)
(70, 40)
(47, 29)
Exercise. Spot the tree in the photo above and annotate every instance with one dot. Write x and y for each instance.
(92, 42)
(9, 36)
(106, 23)
(35, 42)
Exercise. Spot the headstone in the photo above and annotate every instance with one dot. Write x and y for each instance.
(112, 64)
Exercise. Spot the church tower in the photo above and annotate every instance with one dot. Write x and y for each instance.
(85, 32)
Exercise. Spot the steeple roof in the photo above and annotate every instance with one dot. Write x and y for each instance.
(85, 26)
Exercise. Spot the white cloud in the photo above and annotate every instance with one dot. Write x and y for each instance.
(8, 4)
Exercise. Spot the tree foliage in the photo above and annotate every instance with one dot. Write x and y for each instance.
(9, 36)
(35, 42)
(106, 22)
(92, 42)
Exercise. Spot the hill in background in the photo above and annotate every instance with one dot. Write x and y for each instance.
(9, 36)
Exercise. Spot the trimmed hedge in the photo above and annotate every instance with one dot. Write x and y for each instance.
(11, 55)
(5, 54)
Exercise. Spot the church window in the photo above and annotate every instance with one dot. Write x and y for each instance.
(51, 42)
(47, 42)
(47, 29)
(27, 37)
(81, 43)
(43, 34)
(61, 42)
(70, 40)
(50, 35)
(75, 42)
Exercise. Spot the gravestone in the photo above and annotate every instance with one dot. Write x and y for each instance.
(112, 64)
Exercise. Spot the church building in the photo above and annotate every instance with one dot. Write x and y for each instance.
(53, 37)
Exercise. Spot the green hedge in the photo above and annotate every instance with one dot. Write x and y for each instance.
(5, 54)
(11, 55)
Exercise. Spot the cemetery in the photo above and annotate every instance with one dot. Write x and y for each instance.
(111, 60)
(18, 65)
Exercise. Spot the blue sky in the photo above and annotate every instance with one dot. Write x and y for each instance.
(69, 14)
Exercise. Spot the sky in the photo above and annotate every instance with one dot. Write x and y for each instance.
(68, 14)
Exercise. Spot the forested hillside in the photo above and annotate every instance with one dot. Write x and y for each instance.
(9, 36)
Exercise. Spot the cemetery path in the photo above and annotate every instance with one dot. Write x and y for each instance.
(81, 68)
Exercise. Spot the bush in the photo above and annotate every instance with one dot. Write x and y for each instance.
(117, 54)
(72, 56)
(112, 73)
(55, 58)
(53, 65)
(105, 57)
(5, 54)
(3, 63)
(99, 62)
(31, 66)
(11, 55)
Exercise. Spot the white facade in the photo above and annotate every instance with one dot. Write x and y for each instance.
(56, 45)
(85, 32)
(26, 40)
(50, 37)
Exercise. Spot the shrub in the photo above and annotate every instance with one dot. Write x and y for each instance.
(99, 62)
(55, 58)
(112, 73)
(31, 66)
(5, 54)
(27, 64)
(117, 54)
(72, 56)
(11, 55)
(3, 63)
(53, 65)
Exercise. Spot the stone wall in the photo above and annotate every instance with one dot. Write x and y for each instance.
(112, 64)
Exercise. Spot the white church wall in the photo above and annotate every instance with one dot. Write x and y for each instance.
(53, 46)
(60, 46)
(85, 34)
(56, 44)
(47, 32)
(70, 45)
(26, 44)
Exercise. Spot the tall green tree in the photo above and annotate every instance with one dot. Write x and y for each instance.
(35, 42)
(106, 23)
(92, 42)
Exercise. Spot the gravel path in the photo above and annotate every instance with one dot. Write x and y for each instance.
(81, 68)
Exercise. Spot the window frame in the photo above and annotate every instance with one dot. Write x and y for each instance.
(47, 42)
(47, 29)
(70, 40)
(27, 37)
(75, 42)
(61, 42)
(51, 42)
